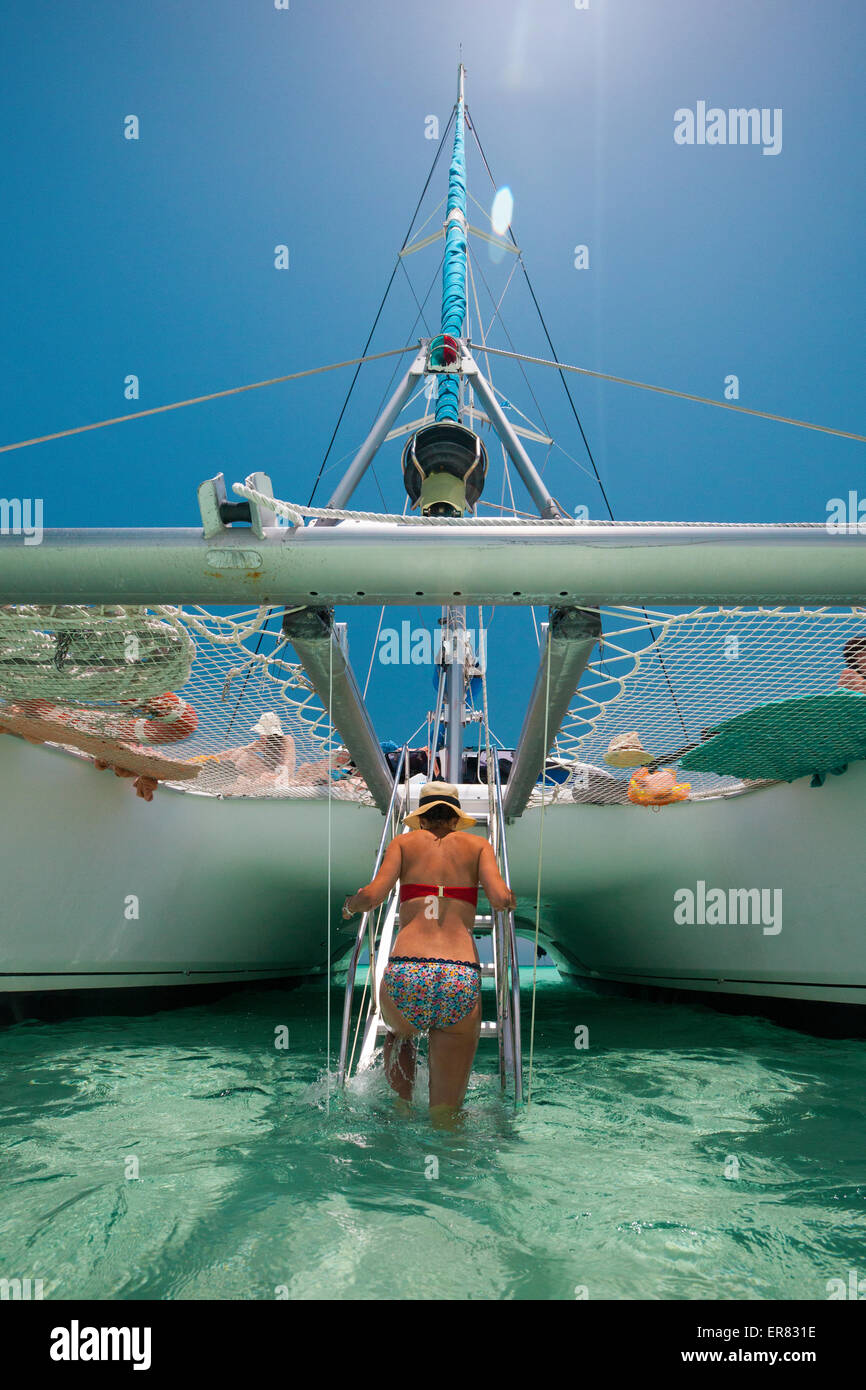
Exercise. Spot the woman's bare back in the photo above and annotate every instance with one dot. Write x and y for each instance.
(441, 928)
(434, 926)
(449, 860)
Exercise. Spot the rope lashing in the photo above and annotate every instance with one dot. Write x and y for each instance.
(295, 514)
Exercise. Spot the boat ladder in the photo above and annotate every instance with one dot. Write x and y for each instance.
(377, 931)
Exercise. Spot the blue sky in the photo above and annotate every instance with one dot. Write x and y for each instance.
(307, 127)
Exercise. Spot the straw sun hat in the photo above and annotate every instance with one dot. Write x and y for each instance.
(439, 794)
(626, 750)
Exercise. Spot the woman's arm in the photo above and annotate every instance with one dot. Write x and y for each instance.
(499, 894)
(378, 889)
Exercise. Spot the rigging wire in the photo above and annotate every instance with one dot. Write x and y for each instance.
(506, 477)
(373, 653)
(557, 364)
(522, 368)
(546, 331)
(469, 260)
(680, 395)
(420, 315)
(426, 223)
(387, 391)
(211, 396)
(397, 263)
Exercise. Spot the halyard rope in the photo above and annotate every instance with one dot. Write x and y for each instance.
(500, 836)
(330, 790)
(538, 884)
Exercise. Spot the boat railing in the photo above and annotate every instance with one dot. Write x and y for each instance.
(367, 924)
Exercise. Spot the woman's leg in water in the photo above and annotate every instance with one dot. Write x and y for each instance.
(401, 1047)
(450, 1054)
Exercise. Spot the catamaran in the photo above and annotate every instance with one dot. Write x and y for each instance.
(683, 806)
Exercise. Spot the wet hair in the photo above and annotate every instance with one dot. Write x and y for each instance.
(855, 651)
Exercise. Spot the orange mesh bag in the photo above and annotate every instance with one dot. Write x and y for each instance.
(659, 788)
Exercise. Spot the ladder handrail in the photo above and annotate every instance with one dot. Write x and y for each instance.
(376, 971)
(387, 834)
(514, 1013)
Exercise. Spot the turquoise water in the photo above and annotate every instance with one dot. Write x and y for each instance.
(252, 1185)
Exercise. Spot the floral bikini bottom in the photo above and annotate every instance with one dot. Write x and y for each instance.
(432, 993)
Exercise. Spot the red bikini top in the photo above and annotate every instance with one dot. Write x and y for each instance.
(432, 890)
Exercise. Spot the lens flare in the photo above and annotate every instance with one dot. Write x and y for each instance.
(501, 212)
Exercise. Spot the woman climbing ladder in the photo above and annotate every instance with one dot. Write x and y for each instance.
(433, 981)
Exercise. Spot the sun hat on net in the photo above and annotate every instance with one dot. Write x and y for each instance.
(626, 750)
(269, 724)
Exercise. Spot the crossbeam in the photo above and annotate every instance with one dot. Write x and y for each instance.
(584, 565)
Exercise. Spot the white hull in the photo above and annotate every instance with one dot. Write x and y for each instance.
(227, 890)
(611, 872)
(237, 889)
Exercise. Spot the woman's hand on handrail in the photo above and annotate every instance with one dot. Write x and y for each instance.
(499, 895)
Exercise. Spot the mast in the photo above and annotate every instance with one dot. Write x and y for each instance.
(448, 408)
(454, 264)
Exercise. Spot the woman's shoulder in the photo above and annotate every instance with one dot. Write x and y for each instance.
(470, 841)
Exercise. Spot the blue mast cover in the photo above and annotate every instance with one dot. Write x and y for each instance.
(454, 267)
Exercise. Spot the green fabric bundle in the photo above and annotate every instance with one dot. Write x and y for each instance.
(786, 740)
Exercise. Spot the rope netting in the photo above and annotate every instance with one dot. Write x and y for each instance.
(215, 691)
(660, 685)
(211, 702)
